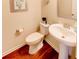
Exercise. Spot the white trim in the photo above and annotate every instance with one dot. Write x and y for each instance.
(12, 49)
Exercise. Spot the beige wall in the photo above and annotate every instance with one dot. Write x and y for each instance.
(65, 8)
(50, 11)
(29, 20)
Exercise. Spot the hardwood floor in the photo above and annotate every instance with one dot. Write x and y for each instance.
(47, 52)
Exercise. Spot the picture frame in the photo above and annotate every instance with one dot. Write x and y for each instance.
(18, 5)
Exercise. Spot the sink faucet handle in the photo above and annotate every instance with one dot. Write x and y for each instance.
(67, 26)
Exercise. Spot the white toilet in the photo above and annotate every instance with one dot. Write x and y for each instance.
(35, 40)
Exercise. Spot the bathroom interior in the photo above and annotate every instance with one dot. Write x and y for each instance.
(39, 29)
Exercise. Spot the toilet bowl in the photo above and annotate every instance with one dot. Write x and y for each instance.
(35, 40)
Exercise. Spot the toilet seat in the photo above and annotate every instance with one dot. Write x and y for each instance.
(34, 38)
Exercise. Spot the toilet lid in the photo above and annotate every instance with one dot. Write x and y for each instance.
(34, 36)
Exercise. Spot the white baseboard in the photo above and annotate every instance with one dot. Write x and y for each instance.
(12, 49)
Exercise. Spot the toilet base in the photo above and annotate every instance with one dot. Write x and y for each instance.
(35, 48)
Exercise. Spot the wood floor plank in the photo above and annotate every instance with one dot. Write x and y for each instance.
(46, 52)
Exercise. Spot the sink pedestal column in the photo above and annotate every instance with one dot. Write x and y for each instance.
(63, 52)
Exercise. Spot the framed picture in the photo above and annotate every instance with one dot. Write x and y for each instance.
(18, 5)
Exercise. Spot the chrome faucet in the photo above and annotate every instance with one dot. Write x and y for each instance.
(67, 26)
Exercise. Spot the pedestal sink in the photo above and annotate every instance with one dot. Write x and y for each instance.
(65, 36)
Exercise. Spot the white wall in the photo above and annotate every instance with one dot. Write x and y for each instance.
(29, 20)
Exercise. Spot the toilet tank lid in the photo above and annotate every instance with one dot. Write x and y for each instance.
(34, 36)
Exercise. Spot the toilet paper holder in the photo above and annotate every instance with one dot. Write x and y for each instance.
(19, 31)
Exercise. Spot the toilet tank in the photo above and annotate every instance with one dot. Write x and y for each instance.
(44, 28)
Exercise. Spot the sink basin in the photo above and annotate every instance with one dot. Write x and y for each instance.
(64, 35)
